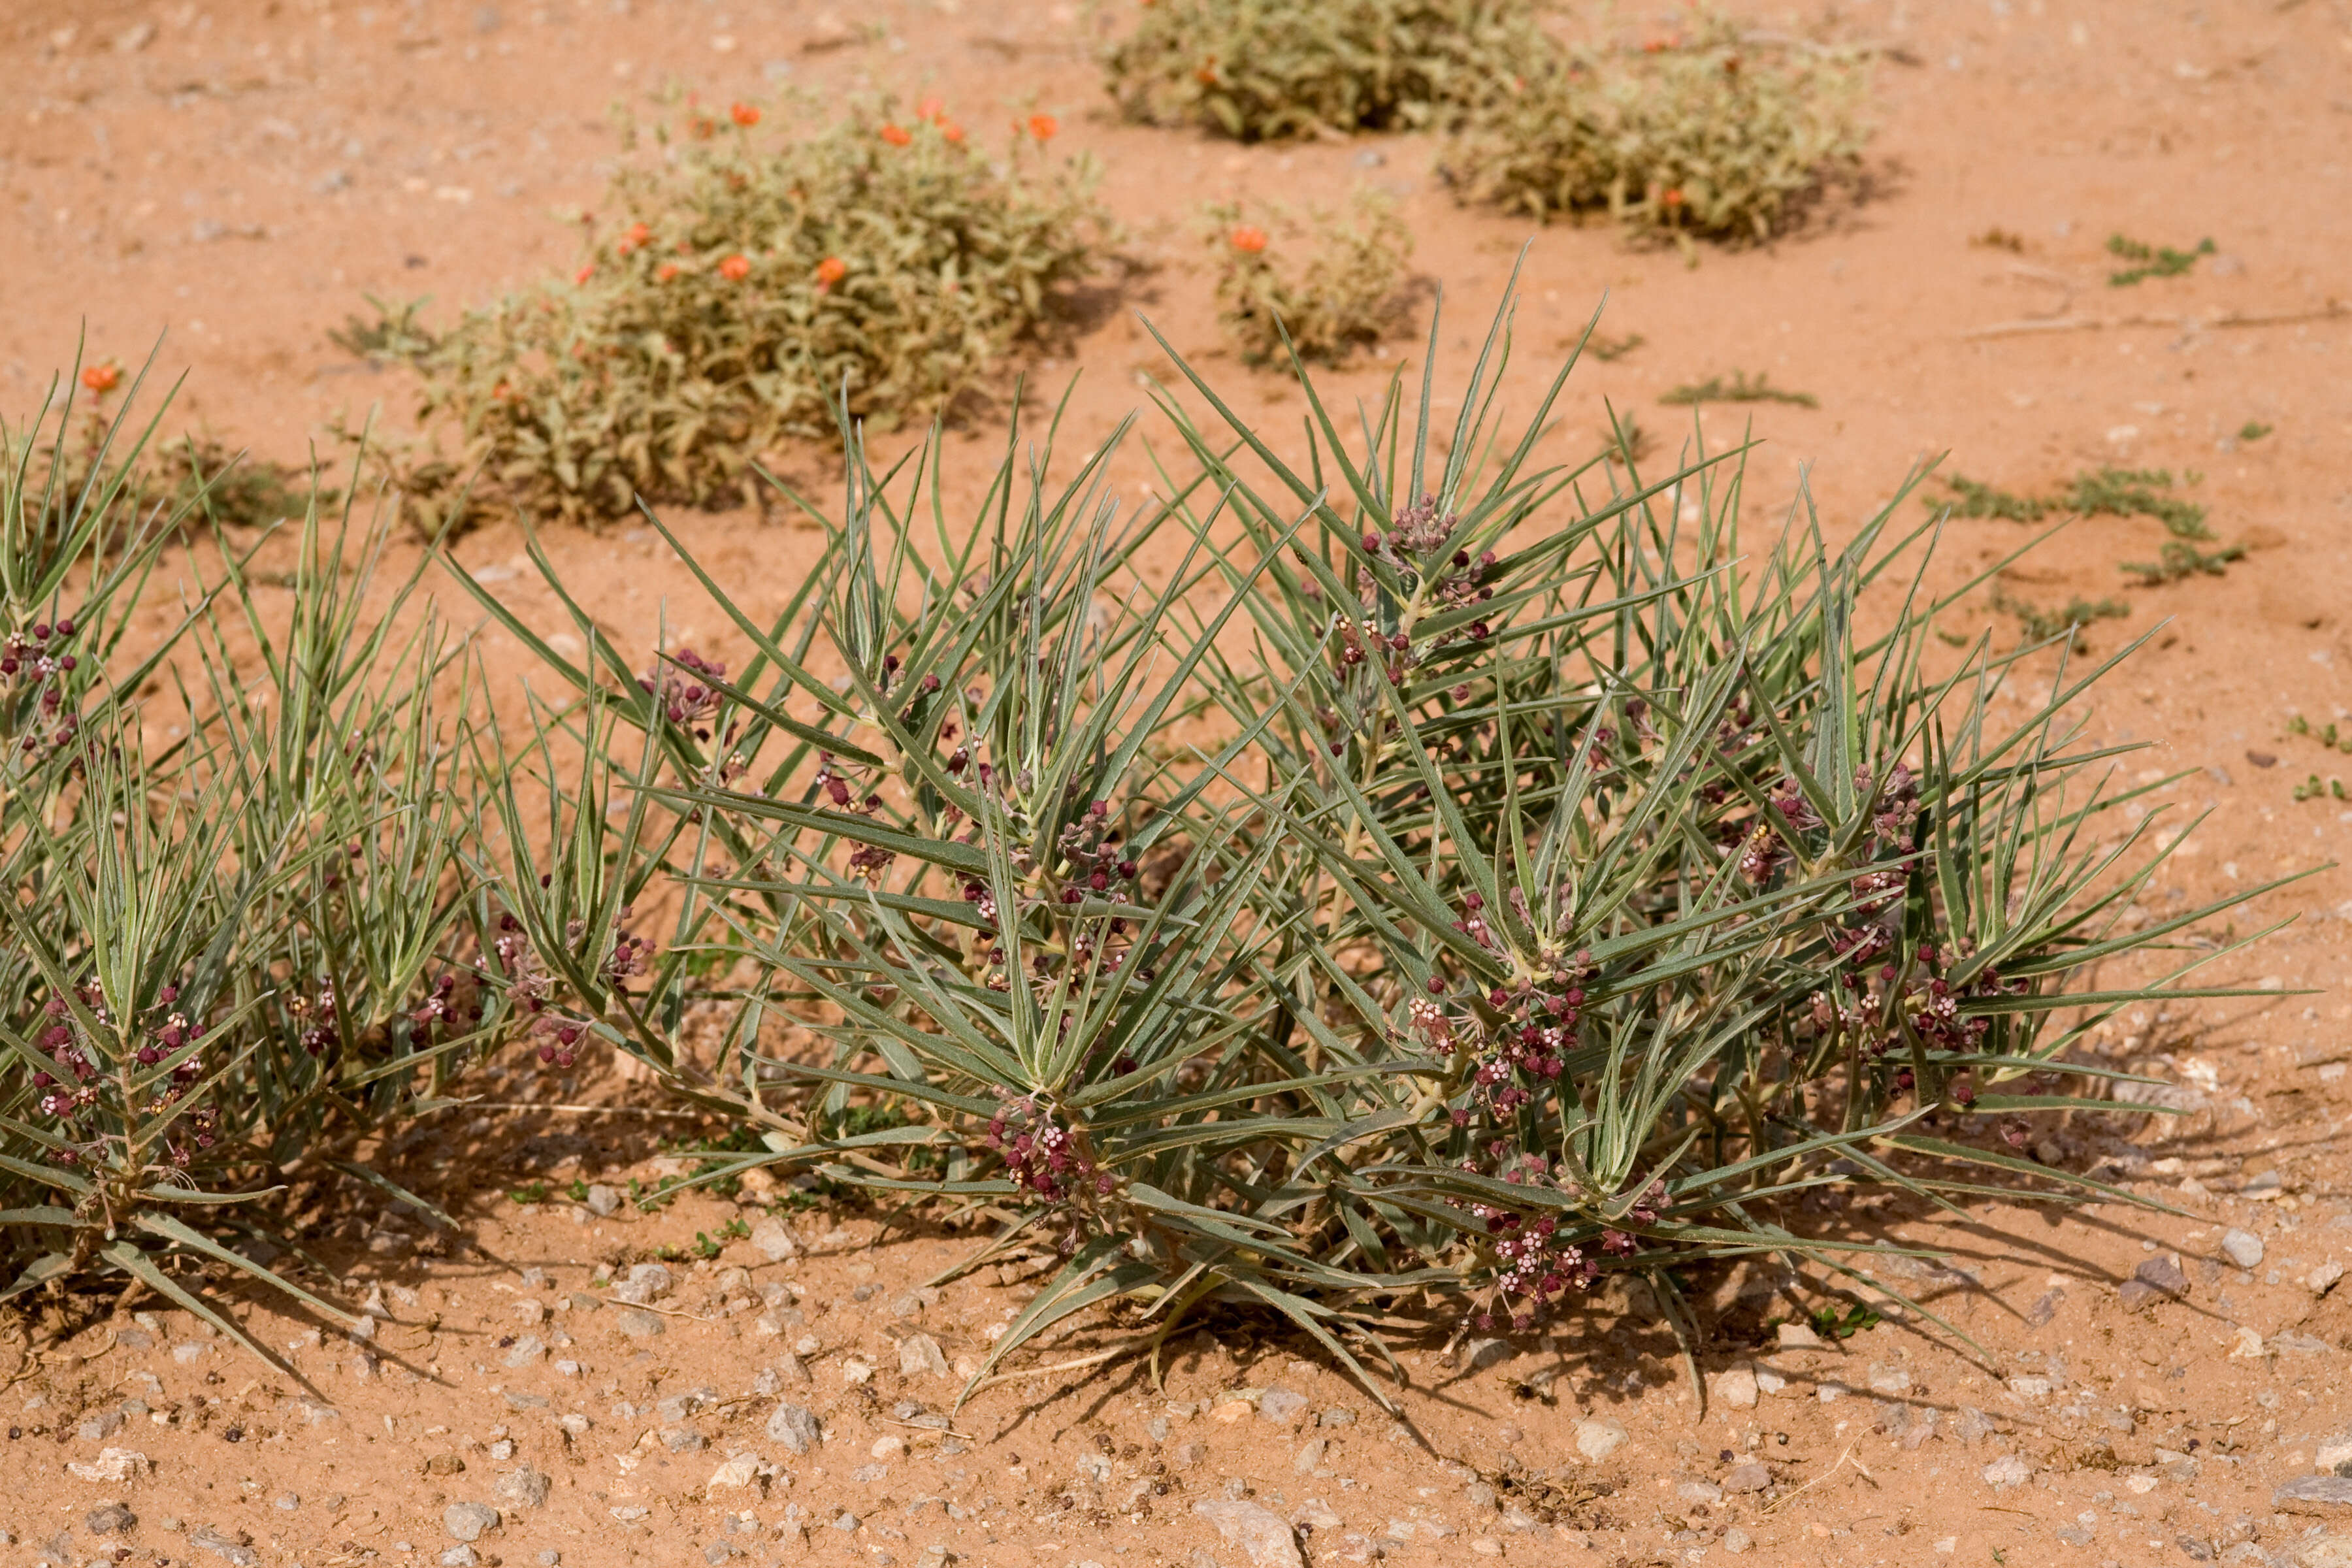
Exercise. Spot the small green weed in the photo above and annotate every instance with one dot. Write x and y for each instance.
(1608, 349)
(1331, 284)
(2036, 624)
(2253, 430)
(1258, 69)
(1976, 500)
(1738, 389)
(2178, 560)
(2297, 724)
(707, 1246)
(2137, 492)
(2150, 261)
(530, 1193)
(2312, 789)
(1832, 1323)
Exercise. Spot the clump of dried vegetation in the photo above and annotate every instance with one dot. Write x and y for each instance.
(1259, 70)
(1321, 286)
(747, 283)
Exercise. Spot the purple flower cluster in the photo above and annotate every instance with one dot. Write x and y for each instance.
(167, 1033)
(36, 657)
(685, 692)
(1042, 1155)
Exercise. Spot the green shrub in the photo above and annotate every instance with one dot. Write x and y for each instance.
(236, 909)
(1259, 70)
(1329, 285)
(743, 286)
(1712, 136)
(1439, 882)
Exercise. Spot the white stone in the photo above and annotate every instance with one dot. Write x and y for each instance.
(1598, 1436)
(1737, 1388)
(2006, 1471)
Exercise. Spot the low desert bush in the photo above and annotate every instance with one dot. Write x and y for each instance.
(1325, 284)
(746, 286)
(1439, 874)
(236, 912)
(1257, 69)
(1706, 136)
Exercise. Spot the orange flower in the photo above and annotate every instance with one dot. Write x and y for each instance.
(951, 129)
(746, 114)
(1207, 75)
(929, 108)
(666, 271)
(1044, 126)
(735, 268)
(1248, 240)
(639, 233)
(501, 392)
(897, 135)
(584, 274)
(102, 378)
(1673, 197)
(830, 271)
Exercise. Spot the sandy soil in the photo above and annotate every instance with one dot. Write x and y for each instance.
(238, 173)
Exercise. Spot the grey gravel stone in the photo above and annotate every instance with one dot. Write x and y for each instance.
(684, 1406)
(2242, 1248)
(603, 1202)
(523, 1487)
(2157, 1279)
(100, 1427)
(467, 1520)
(681, 1439)
(110, 1519)
(206, 1538)
(459, 1557)
(1279, 1405)
(795, 1427)
(1264, 1535)
(2329, 1497)
(637, 1324)
(527, 1350)
(1747, 1477)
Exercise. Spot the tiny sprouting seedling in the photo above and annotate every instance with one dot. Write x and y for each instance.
(2178, 560)
(530, 1193)
(1831, 1324)
(1608, 349)
(2150, 261)
(577, 1192)
(392, 332)
(1738, 389)
(2253, 430)
(2297, 724)
(1998, 238)
(2313, 789)
(1629, 443)
(706, 1245)
(2036, 624)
